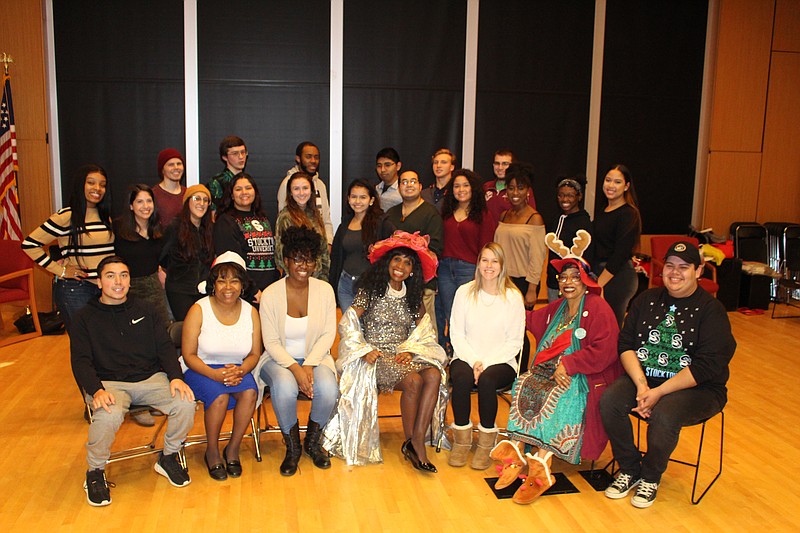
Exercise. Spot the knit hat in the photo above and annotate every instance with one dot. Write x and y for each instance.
(194, 189)
(686, 251)
(416, 242)
(167, 154)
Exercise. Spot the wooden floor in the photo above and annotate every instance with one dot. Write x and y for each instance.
(42, 467)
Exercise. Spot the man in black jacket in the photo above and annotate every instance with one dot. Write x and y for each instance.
(121, 355)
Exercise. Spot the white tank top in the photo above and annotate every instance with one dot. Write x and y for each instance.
(296, 336)
(219, 344)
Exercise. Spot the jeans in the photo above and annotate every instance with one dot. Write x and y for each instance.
(619, 291)
(685, 407)
(345, 291)
(492, 378)
(284, 390)
(452, 273)
(70, 295)
(154, 392)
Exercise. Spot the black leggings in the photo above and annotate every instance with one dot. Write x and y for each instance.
(463, 379)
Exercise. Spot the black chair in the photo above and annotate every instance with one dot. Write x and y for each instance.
(696, 465)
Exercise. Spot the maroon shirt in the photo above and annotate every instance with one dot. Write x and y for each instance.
(497, 202)
(169, 205)
(464, 240)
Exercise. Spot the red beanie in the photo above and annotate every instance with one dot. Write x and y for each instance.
(167, 154)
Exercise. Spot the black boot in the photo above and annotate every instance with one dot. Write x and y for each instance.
(293, 451)
(312, 445)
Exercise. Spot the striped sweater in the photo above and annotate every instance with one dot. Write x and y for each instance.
(95, 242)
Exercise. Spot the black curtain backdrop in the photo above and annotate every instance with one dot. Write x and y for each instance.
(534, 80)
(652, 83)
(403, 83)
(120, 88)
(264, 74)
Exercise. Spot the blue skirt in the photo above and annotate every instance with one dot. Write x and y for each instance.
(206, 389)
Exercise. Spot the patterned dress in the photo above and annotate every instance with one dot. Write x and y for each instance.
(387, 323)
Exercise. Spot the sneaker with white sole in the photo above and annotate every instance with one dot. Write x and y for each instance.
(169, 467)
(645, 495)
(621, 486)
(96, 487)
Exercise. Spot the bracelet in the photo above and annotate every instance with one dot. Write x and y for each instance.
(64, 271)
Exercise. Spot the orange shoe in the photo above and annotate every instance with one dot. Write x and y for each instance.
(538, 479)
(512, 462)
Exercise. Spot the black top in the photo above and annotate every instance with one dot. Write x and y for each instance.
(124, 342)
(184, 275)
(140, 255)
(250, 236)
(616, 236)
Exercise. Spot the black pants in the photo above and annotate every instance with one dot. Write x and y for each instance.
(463, 379)
(685, 407)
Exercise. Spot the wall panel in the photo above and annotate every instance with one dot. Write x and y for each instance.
(780, 164)
(742, 69)
(732, 189)
(787, 26)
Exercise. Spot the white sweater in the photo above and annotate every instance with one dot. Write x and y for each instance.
(487, 329)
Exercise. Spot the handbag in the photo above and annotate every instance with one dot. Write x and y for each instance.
(51, 323)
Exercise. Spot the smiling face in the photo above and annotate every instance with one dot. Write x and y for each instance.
(114, 282)
(517, 193)
(300, 190)
(489, 265)
(172, 169)
(500, 164)
(614, 185)
(142, 207)
(198, 205)
(300, 267)
(359, 200)
(410, 187)
(400, 268)
(243, 194)
(680, 277)
(462, 190)
(228, 286)
(94, 188)
(568, 199)
(236, 158)
(308, 160)
(570, 283)
(442, 165)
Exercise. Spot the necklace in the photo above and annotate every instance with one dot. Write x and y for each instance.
(566, 321)
(395, 293)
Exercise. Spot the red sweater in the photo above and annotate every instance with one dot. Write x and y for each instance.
(464, 240)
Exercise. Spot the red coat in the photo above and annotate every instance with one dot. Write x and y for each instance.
(597, 359)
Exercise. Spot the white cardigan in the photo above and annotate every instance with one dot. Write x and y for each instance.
(321, 330)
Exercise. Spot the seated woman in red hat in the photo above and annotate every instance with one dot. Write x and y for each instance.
(555, 406)
(388, 342)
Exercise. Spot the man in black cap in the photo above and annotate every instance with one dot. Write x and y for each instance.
(675, 345)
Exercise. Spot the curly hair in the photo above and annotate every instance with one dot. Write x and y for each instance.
(225, 271)
(520, 172)
(300, 240)
(477, 204)
(376, 279)
(227, 195)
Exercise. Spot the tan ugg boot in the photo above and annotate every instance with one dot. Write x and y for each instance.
(462, 444)
(486, 440)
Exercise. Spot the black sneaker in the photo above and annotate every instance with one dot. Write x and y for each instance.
(645, 495)
(169, 467)
(621, 486)
(96, 487)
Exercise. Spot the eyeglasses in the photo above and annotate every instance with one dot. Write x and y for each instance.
(381, 166)
(565, 278)
(200, 199)
(299, 260)
(237, 153)
(411, 181)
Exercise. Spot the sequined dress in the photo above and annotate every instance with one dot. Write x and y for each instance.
(387, 323)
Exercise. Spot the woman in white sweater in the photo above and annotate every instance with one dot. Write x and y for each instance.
(487, 326)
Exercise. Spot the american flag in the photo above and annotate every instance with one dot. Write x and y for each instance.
(10, 227)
